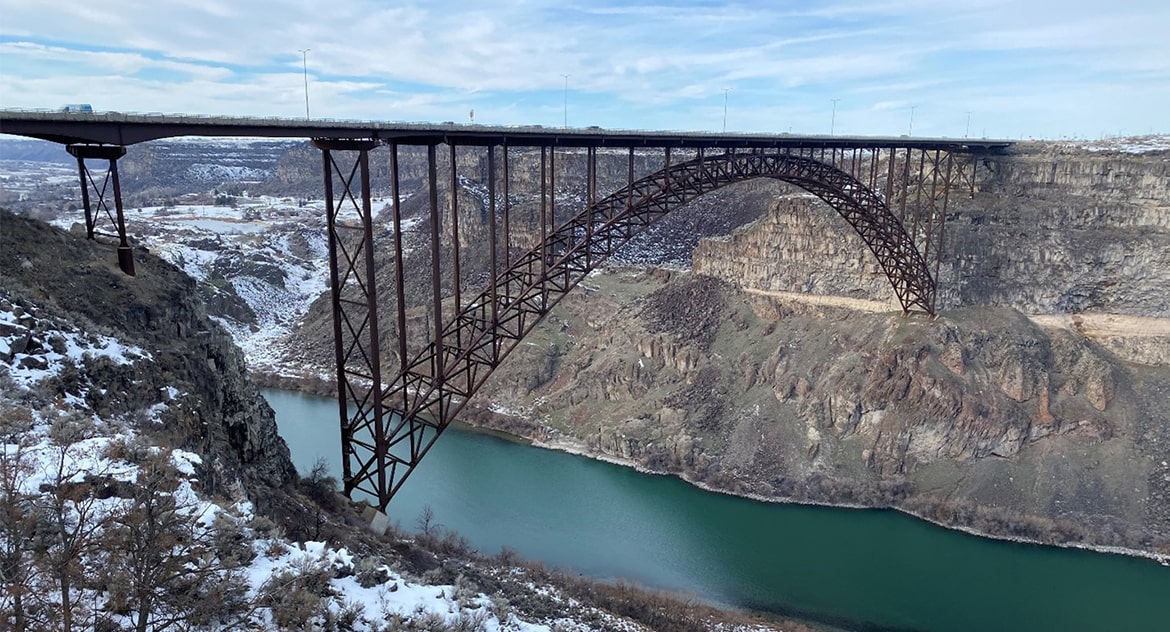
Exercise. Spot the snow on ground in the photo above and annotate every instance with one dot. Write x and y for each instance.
(392, 596)
(65, 443)
(1129, 145)
(35, 349)
(222, 142)
(222, 173)
(374, 602)
(24, 177)
(272, 251)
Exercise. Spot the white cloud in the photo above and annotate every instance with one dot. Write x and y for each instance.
(632, 64)
(110, 63)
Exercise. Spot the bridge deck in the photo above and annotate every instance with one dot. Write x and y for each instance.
(127, 129)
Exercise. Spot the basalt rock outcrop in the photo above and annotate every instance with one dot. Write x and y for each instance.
(217, 411)
(1049, 230)
(979, 419)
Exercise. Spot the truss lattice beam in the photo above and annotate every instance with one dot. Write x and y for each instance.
(432, 386)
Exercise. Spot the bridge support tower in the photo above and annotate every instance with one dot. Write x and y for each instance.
(110, 190)
(352, 279)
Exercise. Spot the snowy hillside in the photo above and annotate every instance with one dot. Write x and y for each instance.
(103, 527)
(1128, 145)
(260, 263)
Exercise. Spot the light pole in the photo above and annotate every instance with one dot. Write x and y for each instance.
(912, 108)
(305, 66)
(566, 100)
(968, 130)
(833, 120)
(725, 91)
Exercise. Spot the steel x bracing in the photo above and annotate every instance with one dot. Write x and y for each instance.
(95, 198)
(354, 296)
(389, 427)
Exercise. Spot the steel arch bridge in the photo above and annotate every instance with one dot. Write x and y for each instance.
(388, 430)
(894, 192)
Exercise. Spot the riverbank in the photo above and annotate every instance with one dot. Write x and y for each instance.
(853, 569)
(580, 449)
(517, 428)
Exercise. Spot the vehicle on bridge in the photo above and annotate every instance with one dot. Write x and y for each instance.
(79, 108)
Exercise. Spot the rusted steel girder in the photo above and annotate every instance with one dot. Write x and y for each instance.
(110, 183)
(435, 383)
(354, 295)
(917, 184)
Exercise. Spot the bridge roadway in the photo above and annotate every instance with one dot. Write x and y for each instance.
(112, 128)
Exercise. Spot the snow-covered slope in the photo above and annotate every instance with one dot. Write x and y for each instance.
(103, 526)
(260, 262)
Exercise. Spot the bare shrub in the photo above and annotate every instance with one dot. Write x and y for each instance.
(162, 569)
(319, 486)
(432, 622)
(18, 522)
(426, 523)
(296, 597)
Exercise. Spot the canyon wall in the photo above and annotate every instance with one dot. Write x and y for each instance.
(780, 366)
(213, 408)
(1036, 405)
(1050, 230)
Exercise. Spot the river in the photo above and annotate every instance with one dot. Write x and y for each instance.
(860, 569)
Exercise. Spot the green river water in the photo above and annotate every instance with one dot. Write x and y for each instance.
(857, 569)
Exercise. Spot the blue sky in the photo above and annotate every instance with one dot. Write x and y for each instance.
(1012, 68)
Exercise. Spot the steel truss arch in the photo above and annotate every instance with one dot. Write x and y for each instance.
(433, 387)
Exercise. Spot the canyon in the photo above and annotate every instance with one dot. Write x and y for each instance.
(749, 343)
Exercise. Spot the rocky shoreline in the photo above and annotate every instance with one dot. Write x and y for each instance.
(578, 448)
(539, 436)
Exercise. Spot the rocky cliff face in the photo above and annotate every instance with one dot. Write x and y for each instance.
(979, 419)
(218, 413)
(800, 244)
(1050, 230)
(1056, 230)
(1036, 405)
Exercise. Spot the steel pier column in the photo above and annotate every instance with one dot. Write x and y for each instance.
(355, 316)
(110, 153)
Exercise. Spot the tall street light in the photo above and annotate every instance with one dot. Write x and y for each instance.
(305, 65)
(566, 100)
(968, 131)
(912, 108)
(833, 120)
(725, 91)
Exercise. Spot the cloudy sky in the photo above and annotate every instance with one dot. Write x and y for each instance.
(999, 68)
